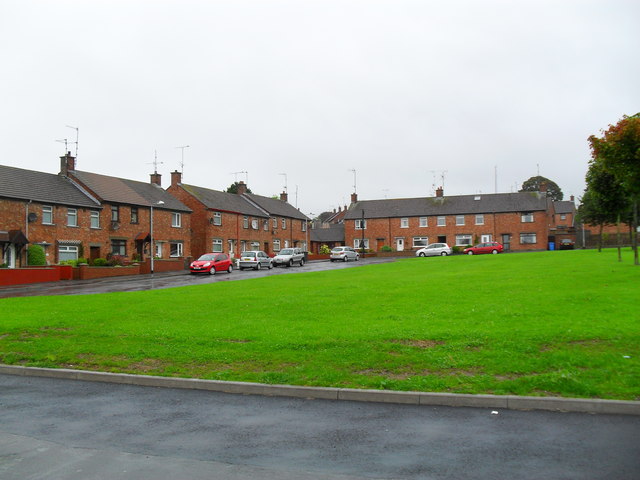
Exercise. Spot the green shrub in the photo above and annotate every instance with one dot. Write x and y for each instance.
(386, 248)
(456, 249)
(35, 254)
(100, 262)
(82, 260)
(4, 265)
(73, 263)
(325, 250)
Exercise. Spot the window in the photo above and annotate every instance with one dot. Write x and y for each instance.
(158, 250)
(357, 243)
(47, 215)
(528, 238)
(175, 249)
(463, 240)
(115, 213)
(72, 217)
(424, 222)
(275, 222)
(134, 214)
(217, 218)
(284, 223)
(420, 241)
(527, 217)
(118, 247)
(563, 216)
(176, 221)
(442, 221)
(276, 245)
(254, 223)
(95, 219)
(480, 219)
(217, 245)
(361, 224)
(255, 245)
(459, 219)
(303, 225)
(67, 252)
(245, 222)
(404, 223)
(265, 225)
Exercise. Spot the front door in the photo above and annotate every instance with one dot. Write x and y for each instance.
(400, 244)
(485, 238)
(506, 241)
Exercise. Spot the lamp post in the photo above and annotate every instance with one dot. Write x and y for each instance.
(151, 247)
(306, 230)
(362, 226)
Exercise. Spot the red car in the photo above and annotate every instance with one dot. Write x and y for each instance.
(212, 263)
(487, 247)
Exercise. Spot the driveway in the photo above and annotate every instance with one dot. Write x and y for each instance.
(65, 429)
(168, 280)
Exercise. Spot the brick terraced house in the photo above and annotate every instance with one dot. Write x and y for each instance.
(78, 214)
(520, 221)
(234, 222)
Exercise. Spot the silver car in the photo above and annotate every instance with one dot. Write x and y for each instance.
(289, 257)
(434, 249)
(255, 259)
(343, 253)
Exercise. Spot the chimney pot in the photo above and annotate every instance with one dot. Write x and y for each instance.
(67, 162)
(242, 188)
(156, 178)
(284, 197)
(572, 198)
(354, 197)
(439, 192)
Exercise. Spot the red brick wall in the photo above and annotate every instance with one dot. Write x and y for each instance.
(385, 231)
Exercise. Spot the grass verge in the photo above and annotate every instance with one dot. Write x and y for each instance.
(549, 323)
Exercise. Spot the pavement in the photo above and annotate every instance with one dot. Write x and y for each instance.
(55, 428)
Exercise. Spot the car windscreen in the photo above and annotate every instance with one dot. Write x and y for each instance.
(286, 251)
(248, 254)
(206, 256)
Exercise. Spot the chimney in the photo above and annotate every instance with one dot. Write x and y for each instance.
(334, 210)
(242, 188)
(284, 197)
(572, 198)
(176, 178)
(543, 187)
(439, 192)
(156, 178)
(354, 197)
(67, 163)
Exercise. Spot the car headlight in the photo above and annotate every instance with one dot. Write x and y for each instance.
(206, 264)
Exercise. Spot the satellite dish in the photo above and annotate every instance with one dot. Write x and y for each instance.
(32, 217)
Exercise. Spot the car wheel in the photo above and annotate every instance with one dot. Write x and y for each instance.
(258, 266)
(494, 252)
(270, 265)
(290, 263)
(422, 254)
(230, 269)
(357, 257)
(302, 262)
(212, 270)
(345, 258)
(444, 254)
(470, 252)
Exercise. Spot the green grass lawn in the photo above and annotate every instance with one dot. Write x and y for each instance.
(548, 323)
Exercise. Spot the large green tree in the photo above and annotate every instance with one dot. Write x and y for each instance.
(617, 151)
(534, 184)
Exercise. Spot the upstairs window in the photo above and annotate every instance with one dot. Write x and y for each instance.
(527, 217)
(424, 222)
(480, 219)
(361, 224)
(245, 222)
(442, 221)
(284, 223)
(176, 221)
(47, 215)
(95, 219)
(460, 220)
(134, 214)
(72, 217)
(217, 218)
(115, 213)
(404, 223)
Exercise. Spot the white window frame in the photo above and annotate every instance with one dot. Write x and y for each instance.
(94, 216)
(460, 220)
(70, 252)
(524, 238)
(217, 245)
(47, 214)
(275, 222)
(358, 241)
(217, 218)
(360, 224)
(276, 244)
(464, 239)
(480, 219)
(563, 216)
(245, 222)
(179, 247)
(527, 217)
(265, 225)
(115, 213)
(419, 242)
(135, 215)
(176, 220)
(424, 221)
(303, 225)
(442, 221)
(254, 224)
(284, 224)
(404, 222)
(72, 217)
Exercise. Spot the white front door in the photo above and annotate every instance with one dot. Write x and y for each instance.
(400, 244)
(485, 238)
(10, 256)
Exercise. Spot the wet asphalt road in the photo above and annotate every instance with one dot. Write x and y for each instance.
(168, 280)
(63, 429)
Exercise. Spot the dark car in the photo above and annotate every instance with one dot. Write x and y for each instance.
(487, 247)
(566, 244)
(212, 263)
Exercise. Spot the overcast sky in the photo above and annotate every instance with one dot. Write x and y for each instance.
(402, 92)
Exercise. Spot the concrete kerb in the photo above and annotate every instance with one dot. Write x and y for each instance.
(510, 402)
